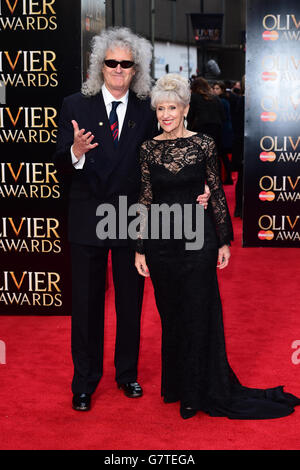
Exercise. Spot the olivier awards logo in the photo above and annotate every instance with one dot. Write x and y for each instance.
(27, 174)
(280, 70)
(28, 15)
(32, 125)
(28, 180)
(279, 188)
(281, 27)
(283, 149)
(276, 113)
(34, 68)
(280, 67)
(283, 108)
(30, 288)
(279, 227)
(29, 235)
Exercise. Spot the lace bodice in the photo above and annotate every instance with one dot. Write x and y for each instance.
(197, 153)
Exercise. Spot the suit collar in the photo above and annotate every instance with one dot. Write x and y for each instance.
(108, 98)
(103, 133)
(131, 120)
(113, 155)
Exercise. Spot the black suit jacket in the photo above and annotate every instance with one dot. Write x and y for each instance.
(204, 112)
(108, 172)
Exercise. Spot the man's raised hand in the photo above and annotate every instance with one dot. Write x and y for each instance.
(82, 141)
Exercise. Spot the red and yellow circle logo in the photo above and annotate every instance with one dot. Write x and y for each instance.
(266, 196)
(270, 35)
(268, 116)
(269, 76)
(265, 235)
(267, 156)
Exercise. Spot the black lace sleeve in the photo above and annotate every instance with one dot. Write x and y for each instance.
(218, 201)
(145, 197)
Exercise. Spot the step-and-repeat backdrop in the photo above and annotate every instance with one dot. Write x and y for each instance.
(272, 125)
(40, 63)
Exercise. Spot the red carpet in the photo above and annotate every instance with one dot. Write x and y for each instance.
(261, 298)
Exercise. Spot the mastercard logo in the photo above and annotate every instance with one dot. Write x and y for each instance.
(266, 196)
(271, 76)
(265, 235)
(267, 156)
(268, 116)
(270, 35)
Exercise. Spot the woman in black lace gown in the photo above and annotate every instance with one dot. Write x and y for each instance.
(175, 166)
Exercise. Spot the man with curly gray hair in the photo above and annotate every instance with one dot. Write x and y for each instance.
(100, 132)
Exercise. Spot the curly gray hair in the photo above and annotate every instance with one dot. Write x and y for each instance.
(171, 87)
(111, 38)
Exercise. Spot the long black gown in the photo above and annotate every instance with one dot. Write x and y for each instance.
(195, 369)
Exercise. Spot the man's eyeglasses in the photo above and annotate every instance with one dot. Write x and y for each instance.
(112, 64)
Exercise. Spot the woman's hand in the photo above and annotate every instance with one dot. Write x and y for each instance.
(141, 266)
(203, 198)
(223, 256)
(82, 142)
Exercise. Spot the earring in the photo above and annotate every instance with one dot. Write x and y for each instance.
(185, 123)
(158, 126)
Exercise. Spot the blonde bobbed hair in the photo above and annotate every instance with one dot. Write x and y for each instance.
(171, 87)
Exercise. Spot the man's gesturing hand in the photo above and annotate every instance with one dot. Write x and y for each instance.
(82, 142)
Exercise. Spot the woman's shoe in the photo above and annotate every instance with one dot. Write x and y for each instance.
(238, 213)
(187, 413)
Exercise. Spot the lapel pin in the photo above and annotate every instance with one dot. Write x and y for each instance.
(100, 123)
(131, 124)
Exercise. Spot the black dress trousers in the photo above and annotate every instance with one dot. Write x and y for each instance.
(89, 266)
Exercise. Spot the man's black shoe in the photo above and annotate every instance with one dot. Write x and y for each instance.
(187, 413)
(81, 402)
(131, 389)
